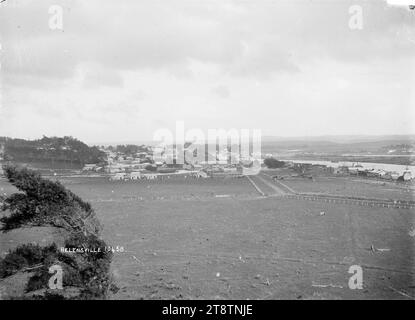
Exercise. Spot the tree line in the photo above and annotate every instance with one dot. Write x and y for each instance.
(50, 149)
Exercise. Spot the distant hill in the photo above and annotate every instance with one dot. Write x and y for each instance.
(325, 139)
(50, 150)
(343, 138)
(339, 144)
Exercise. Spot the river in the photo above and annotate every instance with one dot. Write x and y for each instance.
(366, 165)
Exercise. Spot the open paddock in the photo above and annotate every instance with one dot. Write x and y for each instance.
(258, 249)
(227, 242)
(352, 186)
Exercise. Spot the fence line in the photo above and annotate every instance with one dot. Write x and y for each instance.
(397, 204)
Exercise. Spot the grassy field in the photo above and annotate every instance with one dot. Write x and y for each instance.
(219, 239)
(353, 186)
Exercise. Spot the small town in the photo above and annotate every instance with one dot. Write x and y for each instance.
(125, 166)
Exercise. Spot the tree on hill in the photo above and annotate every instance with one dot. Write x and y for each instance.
(130, 149)
(273, 163)
(151, 167)
(51, 149)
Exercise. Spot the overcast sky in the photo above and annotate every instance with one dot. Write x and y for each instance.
(119, 70)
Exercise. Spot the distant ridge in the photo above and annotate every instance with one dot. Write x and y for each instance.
(343, 138)
(268, 138)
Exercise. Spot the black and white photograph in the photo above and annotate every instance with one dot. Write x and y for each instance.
(226, 151)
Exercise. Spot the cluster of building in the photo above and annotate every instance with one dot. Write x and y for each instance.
(354, 169)
(118, 163)
(143, 166)
(374, 173)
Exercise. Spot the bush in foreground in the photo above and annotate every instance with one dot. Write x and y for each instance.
(47, 203)
(273, 163)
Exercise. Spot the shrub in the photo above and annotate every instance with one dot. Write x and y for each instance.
(45, 202)
(50, 203)
(273, 163)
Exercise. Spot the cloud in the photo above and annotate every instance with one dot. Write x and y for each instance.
(125, 67)
(96, 75)
(243, 39)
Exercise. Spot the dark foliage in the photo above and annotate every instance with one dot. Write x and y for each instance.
(43, 201)
(88, 271)
(273, 163)
(25, 256)
(151, 167)
(53, 149)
